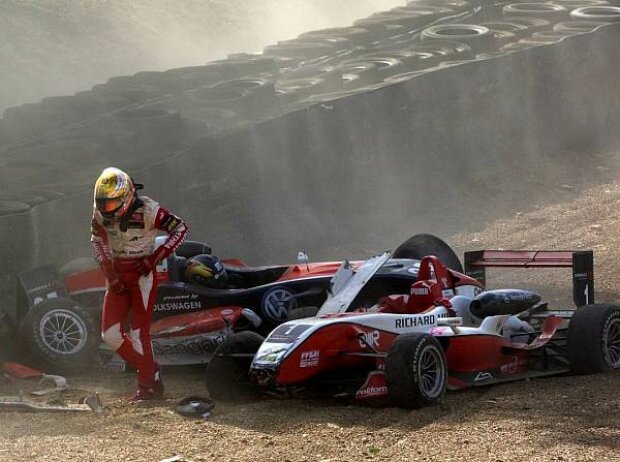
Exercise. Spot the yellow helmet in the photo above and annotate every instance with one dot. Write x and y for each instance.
(114, 192)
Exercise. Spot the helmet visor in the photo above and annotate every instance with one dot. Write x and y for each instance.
(108, 207)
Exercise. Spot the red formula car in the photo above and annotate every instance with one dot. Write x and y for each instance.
(58, 312)
(409, 349)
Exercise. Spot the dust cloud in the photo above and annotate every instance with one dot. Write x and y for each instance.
(56, 47)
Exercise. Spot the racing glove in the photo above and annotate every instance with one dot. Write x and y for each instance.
(145, 265)
(116, 285)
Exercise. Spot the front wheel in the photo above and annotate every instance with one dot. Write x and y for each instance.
(227, 373)
(416, 371)
(594, 339)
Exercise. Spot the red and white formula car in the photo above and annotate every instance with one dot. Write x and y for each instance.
(408, 349)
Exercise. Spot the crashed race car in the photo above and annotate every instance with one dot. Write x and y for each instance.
(58, 313)
(407, 350)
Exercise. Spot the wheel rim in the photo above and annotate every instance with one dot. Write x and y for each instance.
(430, 372)
(63, 332)
(612, 343)
(277, 304)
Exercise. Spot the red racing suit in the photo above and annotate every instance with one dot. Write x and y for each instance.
(124, 248)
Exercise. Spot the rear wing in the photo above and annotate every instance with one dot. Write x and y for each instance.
(581, 261)
(37, 285)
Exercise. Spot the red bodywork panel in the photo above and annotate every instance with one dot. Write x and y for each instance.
(85, 280)
(525, 258)
(323, 351)
(314, 269)
(335, 346)
(199, 322)
(94, 279)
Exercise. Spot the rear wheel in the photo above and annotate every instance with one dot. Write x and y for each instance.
(60, 336)
(421, 245)
(227, 373)
(594, 339)
(416, 371)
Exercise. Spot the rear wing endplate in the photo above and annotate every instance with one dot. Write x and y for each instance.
(37, 285)
(581, 261)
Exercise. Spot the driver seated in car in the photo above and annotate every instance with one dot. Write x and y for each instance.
(423, 296)
(206, 270)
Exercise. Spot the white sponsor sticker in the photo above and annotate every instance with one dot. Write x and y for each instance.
(309, 358)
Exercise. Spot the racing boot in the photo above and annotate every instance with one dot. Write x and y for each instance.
(150, 392)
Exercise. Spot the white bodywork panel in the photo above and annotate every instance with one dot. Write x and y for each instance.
(350, 286)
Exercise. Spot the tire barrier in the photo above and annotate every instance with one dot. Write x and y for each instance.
(306, 49)
(301, 83)
(549, 11)
(607, 14)
(519, 30)
(392, 82)
(480, 38)
(550, 36)
(360, 74)
(411, 60)
(445, 49)
(454, 5)
(533, 24)
(357, 36)
(250, 98)
(519, 46)
(578, 26)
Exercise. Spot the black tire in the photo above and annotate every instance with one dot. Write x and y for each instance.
(576, 27)
(420, 245)
(478, 37)
(533, 24)
(227, 377)
(520, 30)
(607, 14)
(60, 336)
(416, 371)
(303, 312)
(190, 249)
(594, 339)
(549, 11)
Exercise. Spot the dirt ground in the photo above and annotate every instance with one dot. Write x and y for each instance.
(553, 419)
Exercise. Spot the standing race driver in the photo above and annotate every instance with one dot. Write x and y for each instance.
(124, 227)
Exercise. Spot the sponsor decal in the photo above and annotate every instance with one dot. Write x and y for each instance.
(514, 366)
(447, 293)
(287, 333)
(439, 331)
(415, 321)
(483, 376)
(199, 345)
(309, 358)
(169, 222)
(374, 386)
(179, 306)
(369, 339)
(227, 311)
(419, 291)
(185, 302)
